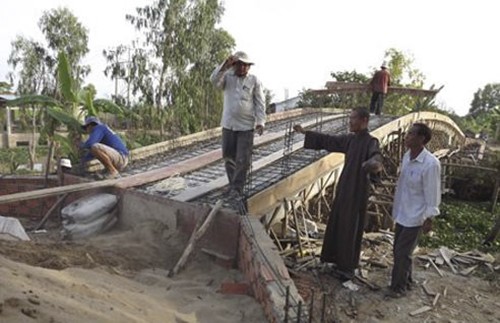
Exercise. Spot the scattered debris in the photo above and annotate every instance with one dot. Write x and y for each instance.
(469, 270)
(459, 263)
(436, 298)
(421, 310)
(435, 267)
(351, 286)
(427, 290)
(447, 254)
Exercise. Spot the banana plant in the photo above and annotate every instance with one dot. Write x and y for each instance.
(66, 107)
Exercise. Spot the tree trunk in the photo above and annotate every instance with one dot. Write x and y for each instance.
(158, 100)
(497, 131)
(47, 165)
(32, 146)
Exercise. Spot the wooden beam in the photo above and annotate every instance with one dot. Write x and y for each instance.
(46, 192)
(343, 87)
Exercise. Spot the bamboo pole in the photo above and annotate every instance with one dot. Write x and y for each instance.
(198, 232)
(297, 229)
(49, 212)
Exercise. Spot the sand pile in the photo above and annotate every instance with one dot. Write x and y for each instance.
(117, 277)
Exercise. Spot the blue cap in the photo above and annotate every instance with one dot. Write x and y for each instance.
(89, 120)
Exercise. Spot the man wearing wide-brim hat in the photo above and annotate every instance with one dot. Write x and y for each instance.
(243, 114)
(106, 146)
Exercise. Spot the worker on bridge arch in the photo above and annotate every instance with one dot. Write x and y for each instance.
(379, 85)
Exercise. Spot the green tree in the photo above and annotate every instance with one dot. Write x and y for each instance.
(34, 64)
(485, 99)
(64, 33)
(350, 100)
(402, 71)
(338, 100)
(404, 74)
(308, 99)
(484, 113)
(171, 71)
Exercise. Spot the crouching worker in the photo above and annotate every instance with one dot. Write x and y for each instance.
(106, 146)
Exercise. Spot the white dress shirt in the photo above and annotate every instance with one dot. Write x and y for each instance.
(244, 105)
(418, 191)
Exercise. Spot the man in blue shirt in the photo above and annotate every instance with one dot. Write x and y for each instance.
(106, 146)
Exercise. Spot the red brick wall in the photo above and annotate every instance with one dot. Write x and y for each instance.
(35, 208)
(264, 269)
(28, 208)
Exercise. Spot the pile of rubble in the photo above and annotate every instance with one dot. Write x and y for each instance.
(459, 263)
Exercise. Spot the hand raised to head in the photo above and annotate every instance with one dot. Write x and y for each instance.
(298, 128)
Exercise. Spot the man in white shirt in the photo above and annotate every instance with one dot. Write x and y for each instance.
(244, 112)
(416, 202)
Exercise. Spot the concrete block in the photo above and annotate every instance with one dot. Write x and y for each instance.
(12, 229)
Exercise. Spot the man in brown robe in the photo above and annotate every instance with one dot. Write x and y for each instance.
(363, 160)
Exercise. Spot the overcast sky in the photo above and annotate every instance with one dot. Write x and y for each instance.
(297, 44)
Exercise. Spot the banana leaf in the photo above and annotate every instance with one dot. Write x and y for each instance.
(34, 99)
(88, 103)
(65, 78)
(108, 107)
(64, 117)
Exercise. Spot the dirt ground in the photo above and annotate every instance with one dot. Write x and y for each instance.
(120, 276)
(475, 298)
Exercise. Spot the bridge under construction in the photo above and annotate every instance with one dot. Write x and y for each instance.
(187, 175)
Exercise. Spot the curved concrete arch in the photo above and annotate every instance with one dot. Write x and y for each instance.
(436, 121)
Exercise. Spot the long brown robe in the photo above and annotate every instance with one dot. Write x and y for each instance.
(344, 231)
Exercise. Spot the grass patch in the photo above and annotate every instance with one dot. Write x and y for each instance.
(462, 226)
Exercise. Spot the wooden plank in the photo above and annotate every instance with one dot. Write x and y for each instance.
(297, 228)
(435, 267)
(427, 290)
(421, 310)
(46, 192)
(344, 87)
(436, 298)
(468, 271)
